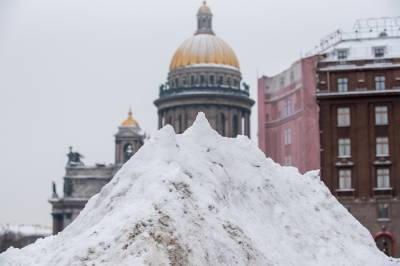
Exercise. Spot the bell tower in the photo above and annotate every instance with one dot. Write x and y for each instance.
(128, 139)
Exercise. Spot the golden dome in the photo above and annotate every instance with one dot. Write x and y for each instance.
(130, 121)
(204, 49)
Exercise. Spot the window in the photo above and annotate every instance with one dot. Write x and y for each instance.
(345, 179)
(379, 51)
(212, 80)
(220, 80)
(287, 136)
(228, 81)
(192, 80)
(235, 83)
(291, 76)
(380, 83)
(385, 242)
(288, 107)
(342, 54)
(381, 115)
(383, 211)
(342, 84)
(344, 148)
(202, 80)
(382, 178)
(382, 146)
(288, 160)
(128, 152)
(282, 82)
(343, 117)
(184, 81)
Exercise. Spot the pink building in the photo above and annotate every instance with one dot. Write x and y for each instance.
(288, 120)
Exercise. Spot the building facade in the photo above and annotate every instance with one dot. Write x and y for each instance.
(288, 116)
(204, 76)
(81, 181)
(359, 98)
(356, 98)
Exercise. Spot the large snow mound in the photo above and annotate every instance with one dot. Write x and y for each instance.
(202, 199)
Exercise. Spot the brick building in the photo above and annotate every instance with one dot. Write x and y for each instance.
(359, 98)
(357, 93)
(288, 116)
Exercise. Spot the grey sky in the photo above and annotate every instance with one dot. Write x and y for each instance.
(69, 69)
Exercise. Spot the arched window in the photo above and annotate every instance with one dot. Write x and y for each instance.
(235, 126)
(223, 125)
(384, 241)
(128, 152)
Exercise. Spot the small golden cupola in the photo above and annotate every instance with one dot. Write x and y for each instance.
(130, 121)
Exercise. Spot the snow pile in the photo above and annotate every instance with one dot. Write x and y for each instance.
(201, 199)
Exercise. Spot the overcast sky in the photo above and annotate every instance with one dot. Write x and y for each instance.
(70, 69)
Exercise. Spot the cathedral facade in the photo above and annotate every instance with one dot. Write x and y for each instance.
(204, 76)
(82, 181)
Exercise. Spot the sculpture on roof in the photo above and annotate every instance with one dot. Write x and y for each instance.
(74, 158)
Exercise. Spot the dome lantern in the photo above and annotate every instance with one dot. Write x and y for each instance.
(204, 20)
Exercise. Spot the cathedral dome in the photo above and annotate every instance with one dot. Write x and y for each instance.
(204, 49)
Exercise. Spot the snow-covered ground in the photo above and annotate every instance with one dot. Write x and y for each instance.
(25, 230)
(201, 199)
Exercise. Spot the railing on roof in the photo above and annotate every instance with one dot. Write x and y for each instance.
(204, 89)
(362, 29)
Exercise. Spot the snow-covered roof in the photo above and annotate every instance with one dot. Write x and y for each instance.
(363, 48)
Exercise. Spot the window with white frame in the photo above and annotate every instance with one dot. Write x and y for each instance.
(287, 107)
(381, 115)
(343, 117)
(342, 84)
(342, 54)
(382, 146)
(345, 179)
(380, 83)
(382, 178)
(379, 51)
(287, 136)
(344, 148)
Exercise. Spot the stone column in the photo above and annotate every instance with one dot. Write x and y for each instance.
(247, 124)
(239, 121)
(160, 116)
(229, 126)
